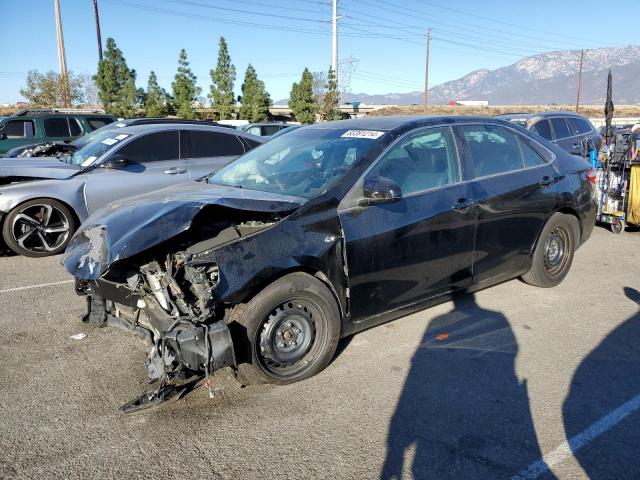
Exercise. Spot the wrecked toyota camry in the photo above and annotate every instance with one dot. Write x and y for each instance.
(323, 232)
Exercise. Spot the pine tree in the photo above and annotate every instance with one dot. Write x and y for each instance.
(114, 81)
(331, 102)
(255, 99)
(184, 88)
(155, 104)
(222, 79)
(127, 105)
(302, 101)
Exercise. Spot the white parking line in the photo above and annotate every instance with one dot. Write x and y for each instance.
(568, 448)
(40, 285)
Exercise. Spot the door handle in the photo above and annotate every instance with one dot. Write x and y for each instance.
(462, 205)
(545, 181)
(175, 171)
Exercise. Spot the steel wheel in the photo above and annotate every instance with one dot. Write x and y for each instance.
(557, 245)
(286, 337)
(38, 228)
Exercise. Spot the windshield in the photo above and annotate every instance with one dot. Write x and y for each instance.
(98, 146)
(304, 163)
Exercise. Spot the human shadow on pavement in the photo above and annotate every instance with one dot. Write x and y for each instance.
(462, 407)
(606, 386)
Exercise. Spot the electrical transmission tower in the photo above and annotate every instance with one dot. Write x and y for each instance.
(346, 68)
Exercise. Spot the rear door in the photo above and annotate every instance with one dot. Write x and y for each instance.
(516, 189)
(209, 151)
(58, 129)
(153, 163)
(403, 252)
(565, 138)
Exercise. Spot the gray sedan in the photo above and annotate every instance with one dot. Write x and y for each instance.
(43, 200)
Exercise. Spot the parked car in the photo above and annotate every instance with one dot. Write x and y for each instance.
(326, 231)
(43, 200)
(624, 129)
(262, 129)
(38, 126)
(288, 129)
(48, 149)
(570, 131)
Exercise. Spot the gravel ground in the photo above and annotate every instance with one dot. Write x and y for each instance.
(522, 370)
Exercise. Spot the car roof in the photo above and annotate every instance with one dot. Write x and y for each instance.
(394, 122)
(549, 114)
(158, 127)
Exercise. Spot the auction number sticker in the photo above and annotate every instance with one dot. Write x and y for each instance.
(109, 141)
(122, 136)
(372, 134)
(88, 161)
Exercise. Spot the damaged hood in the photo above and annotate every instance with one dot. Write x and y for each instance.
(39, 167)
(132, 225)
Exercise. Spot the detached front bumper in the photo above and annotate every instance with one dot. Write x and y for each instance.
(176, 347)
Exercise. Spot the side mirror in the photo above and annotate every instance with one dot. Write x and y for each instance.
(380, 190)
(3, 136)
(117, 161)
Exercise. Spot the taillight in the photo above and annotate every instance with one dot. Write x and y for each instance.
(591, 176)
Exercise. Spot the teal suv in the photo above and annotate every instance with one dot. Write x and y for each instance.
(28, 127)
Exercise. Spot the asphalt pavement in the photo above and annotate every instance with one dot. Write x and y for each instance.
(512, 382)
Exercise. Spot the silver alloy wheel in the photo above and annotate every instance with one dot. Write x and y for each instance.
(40, 228)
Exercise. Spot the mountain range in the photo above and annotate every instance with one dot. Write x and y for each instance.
(544, 79)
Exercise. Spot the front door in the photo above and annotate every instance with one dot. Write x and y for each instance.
(153, 162)
(419, 246)
(515, 188)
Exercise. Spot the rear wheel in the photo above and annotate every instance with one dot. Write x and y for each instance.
(291, 331)
(617, 227)
(553, 254)
(38, 228)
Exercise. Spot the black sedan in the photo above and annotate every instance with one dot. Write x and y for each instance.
(326, 231)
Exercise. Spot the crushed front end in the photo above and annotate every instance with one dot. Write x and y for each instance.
(169, 298)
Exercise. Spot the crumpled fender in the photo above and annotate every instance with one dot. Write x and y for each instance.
(135, 224)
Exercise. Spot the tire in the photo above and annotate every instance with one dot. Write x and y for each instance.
(38, 228)
(554, 251)
(286, 333)
(618, 227)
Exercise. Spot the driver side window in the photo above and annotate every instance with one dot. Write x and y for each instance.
(423, 160)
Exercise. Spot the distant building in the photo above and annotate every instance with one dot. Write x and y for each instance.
(469, 103)
(21, 104)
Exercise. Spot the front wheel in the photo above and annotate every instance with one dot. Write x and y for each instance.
(617, 227)
(554, 251)
(38, 228)
(290, 331)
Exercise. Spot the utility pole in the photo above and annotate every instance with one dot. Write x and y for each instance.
(426, 73)
(579, 81)
(97, 18)
(334, 46)
(62, 59)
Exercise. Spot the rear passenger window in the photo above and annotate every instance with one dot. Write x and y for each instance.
(153, 147)
(18, 129)
(214, 144)
(493, 149)
(580, 125)
(99, 122)
(561, 128)
(543, 129)
(529, 155)
(271, 129)
(56, 127)
(422, 161)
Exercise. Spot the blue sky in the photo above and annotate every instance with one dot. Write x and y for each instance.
(386, 37)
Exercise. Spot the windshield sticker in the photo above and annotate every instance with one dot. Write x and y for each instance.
(371, 134)
(121, 124)
(109, 141)
(122, 136)
(88, 161)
